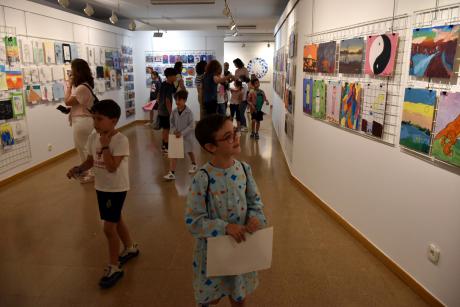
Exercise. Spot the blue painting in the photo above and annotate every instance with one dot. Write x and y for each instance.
(307, 95)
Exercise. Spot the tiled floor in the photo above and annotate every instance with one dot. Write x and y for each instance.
(53, 250)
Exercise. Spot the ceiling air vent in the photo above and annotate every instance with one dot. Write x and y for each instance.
(187, 2)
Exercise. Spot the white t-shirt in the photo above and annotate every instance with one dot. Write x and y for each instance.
(245, 91)
(105, 181)
(220, 93)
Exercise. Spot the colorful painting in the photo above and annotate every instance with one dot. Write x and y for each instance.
(310, 58)
(18, 104)
(326, 57)
(333, 100)
(191, 70)
(446, 144)
(12, 49)
(417, 119)
(319, 99)
(172, 59)
(350, 108)
(189, 82)
(381, 54)
(307, 95)
(3, 84)
(258, 66)
(190, 59)
(373, 111)
(351, 56)
(433, 51)
(14, 80)
(165, 59)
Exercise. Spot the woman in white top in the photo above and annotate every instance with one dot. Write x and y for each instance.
(240, 69)
(79, 97)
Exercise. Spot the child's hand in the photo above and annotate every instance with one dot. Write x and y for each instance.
(252, 225)
(73, 172)
(178, 134)
(236, 231)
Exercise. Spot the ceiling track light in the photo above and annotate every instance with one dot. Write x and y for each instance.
(132, 26)
(89, 10)
(228, 13)
(233, 27)
(235, 34)
(114, 18)
(64, 3)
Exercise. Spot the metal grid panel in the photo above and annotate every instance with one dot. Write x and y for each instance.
(393, 84)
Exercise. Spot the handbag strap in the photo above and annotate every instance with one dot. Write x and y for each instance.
(96, 100)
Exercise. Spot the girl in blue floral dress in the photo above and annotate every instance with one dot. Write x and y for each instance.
(223, 200)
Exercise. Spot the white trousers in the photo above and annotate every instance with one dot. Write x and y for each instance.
(82, 128)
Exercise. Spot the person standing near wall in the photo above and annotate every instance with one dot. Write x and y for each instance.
(79, 97)
(227, 74)
(154, 91)
(212, 77)
(240, 69)
(200, 69)
(179, 83)
(165, 99)
(244, 103)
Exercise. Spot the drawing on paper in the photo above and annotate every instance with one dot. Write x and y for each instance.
(373, 111)
(18, 104)
(333, 100)
(433, 51)
(446, 143)
(307, 95)
(12, 49)
(417, 119)
(326, 57)
(310, 58)
(14, 80)
(381, 54)
(319, 99)
(350, 108)
(351, 56)
(66, 53)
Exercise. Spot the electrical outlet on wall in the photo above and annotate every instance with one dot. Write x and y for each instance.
(434, 253)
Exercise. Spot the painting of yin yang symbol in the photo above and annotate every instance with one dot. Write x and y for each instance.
(381, 54)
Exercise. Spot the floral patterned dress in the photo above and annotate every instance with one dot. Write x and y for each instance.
(233, 198)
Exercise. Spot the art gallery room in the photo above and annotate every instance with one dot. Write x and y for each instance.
(229, 153)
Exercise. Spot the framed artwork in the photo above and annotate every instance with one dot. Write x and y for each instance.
(49, 52)
(39, 54)
(27, 51)
(258, 66)
(381, 54)
(433, 51)
(351, 56)
(3, 84)
(197, 58)
(157, 59)
(446, 143)
(373, 110)
(91, 60)
(333, 101)
(6, 109)
(203, 58)
(172, 59)
(14, 80)
(190, 59)
(165, 59)
(326, 57)
(17, 99)
(319, 99)
(12, 49)
(417, 119)
(307, 95)
(310, 58)
(350, 108)
(34, 73)
(66, 53)
(292, 44)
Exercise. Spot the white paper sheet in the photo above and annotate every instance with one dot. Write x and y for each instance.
(175, 147)
(226, 257)
(266, 108)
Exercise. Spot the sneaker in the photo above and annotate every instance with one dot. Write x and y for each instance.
(193, 169)
(170, 176)
(111, 276)
(253, 134)
(128, 254)
(256, 136)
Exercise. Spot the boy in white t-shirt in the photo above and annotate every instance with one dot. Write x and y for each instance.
(108, 152)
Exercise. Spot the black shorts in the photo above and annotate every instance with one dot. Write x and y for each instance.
(110, 205)
(257, 116)
(164, 122)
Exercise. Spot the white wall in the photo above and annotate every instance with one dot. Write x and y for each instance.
(172, 41)
(250, 51)
(46, 125)
(400, 203)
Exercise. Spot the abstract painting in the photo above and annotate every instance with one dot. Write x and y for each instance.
(307, 95)
(350, 108)
(319, 99)
(165, 59)
(326, 57)
(351, 56)
(433, 51)
(12, 49)
(258, 66)
(14, 80)
(446, 144)
(381, 54)
(333, 100)
(373, 111)
(417, 119)
(310, 58)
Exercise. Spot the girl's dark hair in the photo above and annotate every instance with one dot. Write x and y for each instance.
(238, 83)
(81, 73)
(107, 107)
(238, 63)
(253, 81)
(178, 67)
(206, 128)
(213, 68)
(201, 67)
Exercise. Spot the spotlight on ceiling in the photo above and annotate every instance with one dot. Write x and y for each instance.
(89, 10)
(64, 3)
(268, 45)
(158, 34)
(243, 45)
(235, 34)
(233, 27)
(132, 26)
(114, 18)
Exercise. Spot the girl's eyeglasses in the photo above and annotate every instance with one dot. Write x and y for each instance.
(230, 138)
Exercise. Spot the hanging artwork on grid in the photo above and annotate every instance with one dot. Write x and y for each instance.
(33, 93)
(373, 110)
(319, 99)
(333, 100)
(446, 143)
(17, 101)
(381, 54)
(19, 129)
(50, 57)
(258, 66)
(326, 57)
(307, 95)
(292, 44)
(14, 80)
(39, 55)
(12, 49)
(58, 53)
(433, 51)
(417, 119)
(27, 51)
(310, 58)
(350, 108)
(351, 56)
(3, 57)
(3, 84)
(6, 109)
(66, 53)
(6, 133)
